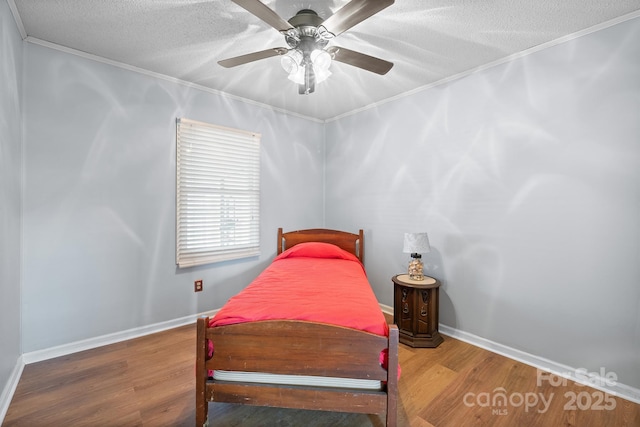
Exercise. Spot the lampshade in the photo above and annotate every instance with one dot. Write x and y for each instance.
(416, 243)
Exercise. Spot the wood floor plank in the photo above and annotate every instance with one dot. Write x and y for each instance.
(149, 381)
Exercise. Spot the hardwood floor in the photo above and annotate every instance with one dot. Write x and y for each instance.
(149, 381)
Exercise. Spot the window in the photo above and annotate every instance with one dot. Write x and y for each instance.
(217, 192)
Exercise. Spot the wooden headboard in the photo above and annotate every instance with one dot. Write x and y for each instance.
(350, 242)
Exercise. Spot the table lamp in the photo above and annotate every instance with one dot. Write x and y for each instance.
(416, 244)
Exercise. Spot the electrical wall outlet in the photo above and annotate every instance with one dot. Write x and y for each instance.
(198, 285)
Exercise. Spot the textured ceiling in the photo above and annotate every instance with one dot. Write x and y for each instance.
(427, 40)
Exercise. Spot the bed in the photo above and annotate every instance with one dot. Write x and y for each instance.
(332, 350)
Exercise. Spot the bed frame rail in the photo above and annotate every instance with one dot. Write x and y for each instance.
(298, 397)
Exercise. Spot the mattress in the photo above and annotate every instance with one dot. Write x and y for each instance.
(302, 380)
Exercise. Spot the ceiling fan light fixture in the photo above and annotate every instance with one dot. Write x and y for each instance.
(294, 64)
(291, 61)
(321, 59)
(322, 74)
(297, 76)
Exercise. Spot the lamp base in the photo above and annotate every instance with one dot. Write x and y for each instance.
(416, 267)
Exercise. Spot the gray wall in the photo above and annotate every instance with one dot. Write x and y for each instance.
(10, 192)
(99, 197)
(527, 178)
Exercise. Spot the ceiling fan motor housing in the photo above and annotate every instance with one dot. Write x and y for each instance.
(307, 18)
(305, 32)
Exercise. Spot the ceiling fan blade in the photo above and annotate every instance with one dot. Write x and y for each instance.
(360, 60)
(353, 13)
(265, 13)
(250, 57)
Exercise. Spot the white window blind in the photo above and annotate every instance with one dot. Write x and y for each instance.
(218, 193)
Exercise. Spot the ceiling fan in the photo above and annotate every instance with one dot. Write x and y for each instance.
(307, 59)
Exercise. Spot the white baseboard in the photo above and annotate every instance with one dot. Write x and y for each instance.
(387, 309)
(10, 388)
(74, 347)
(579, 375)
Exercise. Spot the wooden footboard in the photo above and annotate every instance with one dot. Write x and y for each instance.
(296, 348)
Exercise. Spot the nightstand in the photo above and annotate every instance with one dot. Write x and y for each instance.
(415, 310)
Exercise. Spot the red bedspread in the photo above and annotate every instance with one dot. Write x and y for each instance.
(316, 282)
